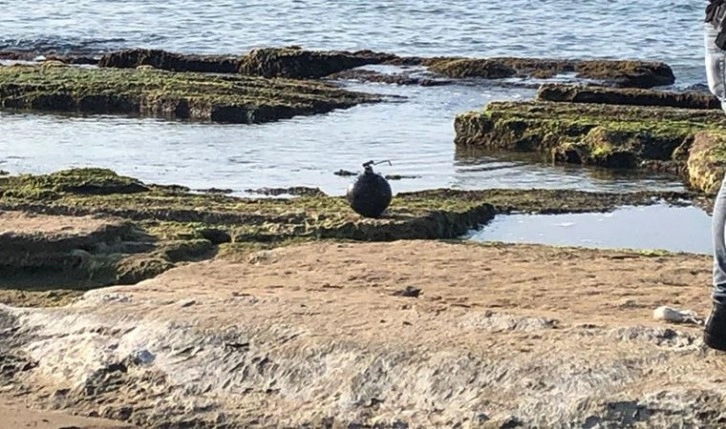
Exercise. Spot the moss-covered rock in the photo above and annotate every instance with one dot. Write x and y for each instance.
(193, 96)
(293, 62)
(288, 62)
(168, 214)
(622, 73)
(551, 201)
(626, 73)
(617, 136)
(618, 148)
(707, 160)
(628, 96)
(112, 236)
(96, 181)
(482, 68)
(160, 59)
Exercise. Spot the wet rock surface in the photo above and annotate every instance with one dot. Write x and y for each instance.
(78, 58)
(621, 73)
(607, 135)
(295, 190)
(150, 92)
(402, 78)
(161, 59)
(298, 63)
(636, 97)
(57, 238)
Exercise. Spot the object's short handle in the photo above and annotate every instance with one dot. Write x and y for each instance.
(368, 164)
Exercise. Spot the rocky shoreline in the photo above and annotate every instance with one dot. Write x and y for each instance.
(130, 231)
(263, 85)
(150, 279)
(411, 333)
(625, 135)
(167, 307)
(151, 92)
(297, 63)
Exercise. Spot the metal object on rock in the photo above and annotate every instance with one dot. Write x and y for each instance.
(370, 194)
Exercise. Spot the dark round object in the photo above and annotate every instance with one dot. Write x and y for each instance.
(370, 194)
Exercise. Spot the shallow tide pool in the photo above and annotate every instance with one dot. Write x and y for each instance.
(677, 229)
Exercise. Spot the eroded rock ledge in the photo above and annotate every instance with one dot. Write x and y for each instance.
(177, 95)
(626, 96)
(619, 135)
(295, 62)
(315, 336)
(91, 227)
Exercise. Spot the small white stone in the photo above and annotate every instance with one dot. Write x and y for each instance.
(672, 315)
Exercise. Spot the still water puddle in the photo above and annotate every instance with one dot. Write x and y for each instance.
(677, 229)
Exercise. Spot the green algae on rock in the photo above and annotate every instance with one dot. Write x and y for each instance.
(160, 59)
(73, 181)
(287, 62)
(627, 96)
(114, 234)
(622, 73)
(707, 160)
(464, 68)
(192, 96)
(293, 62)
(551, 201)
(614, 136)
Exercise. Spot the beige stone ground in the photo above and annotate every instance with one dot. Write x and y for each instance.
(50, 226)
(16, 416)
(499, 335)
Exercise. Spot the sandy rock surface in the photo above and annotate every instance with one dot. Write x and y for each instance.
(17, 416)
(49, 226)
(329, 334)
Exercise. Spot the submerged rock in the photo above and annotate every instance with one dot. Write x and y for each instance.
(402, 78)
(636, 97)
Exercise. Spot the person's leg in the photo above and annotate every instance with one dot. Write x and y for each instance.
(715, 330)
(719, 245)
(714, 334)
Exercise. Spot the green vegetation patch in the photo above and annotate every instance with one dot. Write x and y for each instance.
(178, 95)
(146, 229)
(613, 136)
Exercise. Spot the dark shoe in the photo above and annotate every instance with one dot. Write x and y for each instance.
(714, 334)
